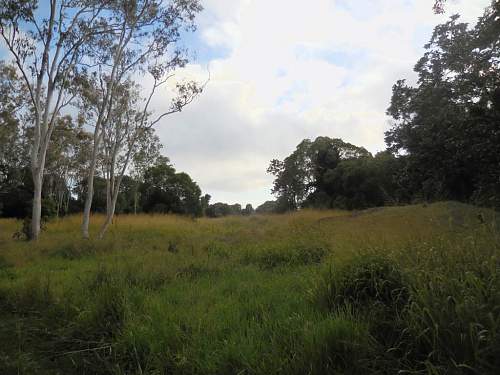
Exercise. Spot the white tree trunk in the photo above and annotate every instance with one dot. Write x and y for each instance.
(90, 186)
(36, 215)
(136, 197)
(110, 207)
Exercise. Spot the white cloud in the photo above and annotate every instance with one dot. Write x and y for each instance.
(295, 69)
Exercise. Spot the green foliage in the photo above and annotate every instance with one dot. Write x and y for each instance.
(248, 210)
(49, 211)
(267, 207)
(220, 209)
(448, 123)
(337, 175)
(165, 191)
(303, 172)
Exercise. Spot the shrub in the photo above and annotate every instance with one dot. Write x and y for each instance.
(49, 211)
(365, 283)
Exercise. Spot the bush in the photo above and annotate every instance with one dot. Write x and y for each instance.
(365, 283)
(49, 211)
(376, 290)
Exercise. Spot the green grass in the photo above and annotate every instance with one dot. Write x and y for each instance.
(410, 290)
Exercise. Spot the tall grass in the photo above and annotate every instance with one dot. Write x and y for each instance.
(412, 290)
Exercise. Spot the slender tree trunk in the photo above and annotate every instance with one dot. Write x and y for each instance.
(37, 169)
(60, 198)
(68, 196)
(88, 203)
(108, 198)
(36, 214)
(90, 187)
(136, 197)
(110, 209)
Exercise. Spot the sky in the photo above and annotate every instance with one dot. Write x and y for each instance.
(285, 70)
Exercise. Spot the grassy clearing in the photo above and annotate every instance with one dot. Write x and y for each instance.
(413, 289)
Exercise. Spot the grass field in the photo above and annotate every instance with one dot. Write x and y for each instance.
(408, 290)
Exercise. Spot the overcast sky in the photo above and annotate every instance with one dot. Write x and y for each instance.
(285, 70)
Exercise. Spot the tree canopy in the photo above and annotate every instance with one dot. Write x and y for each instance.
(447, 125)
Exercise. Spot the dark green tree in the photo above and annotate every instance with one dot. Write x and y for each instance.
(447, 125)
(303, 172)
(165, 191)
(267, 207)
(248, 210)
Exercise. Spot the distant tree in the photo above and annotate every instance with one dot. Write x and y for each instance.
(165, 191)
(205, 202)
(302, 173)
(125, 203)
(235, 209)
(267, 207)
(220, 209)
(248, 210)
(98, 198)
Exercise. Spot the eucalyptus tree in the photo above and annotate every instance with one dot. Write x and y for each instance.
(131, 123)
(146, 40)
(48, 45)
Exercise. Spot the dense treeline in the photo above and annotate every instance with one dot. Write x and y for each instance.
(152, 184)
(444, 142)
